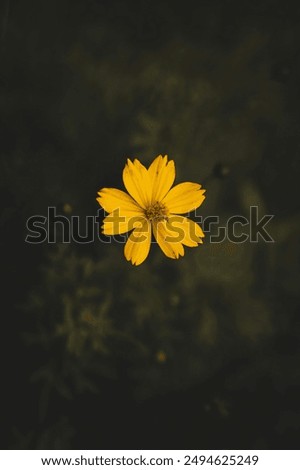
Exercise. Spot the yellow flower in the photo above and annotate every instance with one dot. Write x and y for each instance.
(152, 205)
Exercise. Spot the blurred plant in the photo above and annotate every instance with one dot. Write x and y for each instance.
(162, 324)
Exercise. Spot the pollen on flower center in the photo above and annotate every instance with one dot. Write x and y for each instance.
(156, 211)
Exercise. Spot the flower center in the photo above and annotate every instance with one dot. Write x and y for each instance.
(157, 211)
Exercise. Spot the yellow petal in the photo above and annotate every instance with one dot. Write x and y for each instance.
(172, 249)
(137, 182)
(184, 230)
(138, 244)
(162, 176)
(112, 198)
(118, 222)
(184, 197)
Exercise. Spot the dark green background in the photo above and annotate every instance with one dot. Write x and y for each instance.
(197, 353)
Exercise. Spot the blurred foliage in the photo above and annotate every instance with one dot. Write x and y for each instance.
(215, 88)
